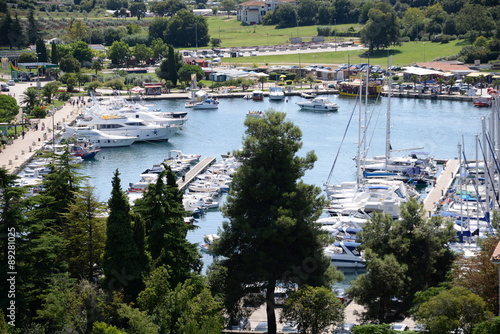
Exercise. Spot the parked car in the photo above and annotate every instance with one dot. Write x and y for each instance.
(344, 329)
(261, 327)
(342, 295)
(398, 327)
(419, 328)
(11, 82)
(243, 325)
(290, 328)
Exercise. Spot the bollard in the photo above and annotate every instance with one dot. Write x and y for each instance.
(16, 157)
(30, 148)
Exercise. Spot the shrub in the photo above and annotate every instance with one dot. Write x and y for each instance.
(64, 96)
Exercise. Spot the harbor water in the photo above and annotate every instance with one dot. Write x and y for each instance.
(434, 126)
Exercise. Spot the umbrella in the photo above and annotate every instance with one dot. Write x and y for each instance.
(137, 89)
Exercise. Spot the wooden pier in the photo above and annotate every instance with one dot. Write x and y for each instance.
(442, 185)
(199, 168)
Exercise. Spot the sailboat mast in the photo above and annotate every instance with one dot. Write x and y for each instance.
(388, 118)
(361, 130)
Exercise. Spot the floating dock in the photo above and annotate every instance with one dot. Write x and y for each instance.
(199, 168)
(442, 185)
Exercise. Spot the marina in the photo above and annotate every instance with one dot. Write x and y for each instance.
(213, 133)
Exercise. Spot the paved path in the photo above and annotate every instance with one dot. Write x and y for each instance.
(193, 172)
(15, 155)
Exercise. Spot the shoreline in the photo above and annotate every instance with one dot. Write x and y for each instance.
(22, 149)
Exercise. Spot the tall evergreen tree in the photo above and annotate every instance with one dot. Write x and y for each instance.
(32, 29)
(163, 214)
(5, 29)
(54, 57)
(11, 223)
(172, 66)
(41, 51)
(17, 38)
(122, 265)
(85, 235)
(271, 236)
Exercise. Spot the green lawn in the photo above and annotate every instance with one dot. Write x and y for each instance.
(233, 34)
(403, 55)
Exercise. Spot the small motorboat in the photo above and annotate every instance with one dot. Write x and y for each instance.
(208, 103)
(276, 94)
(319, 104)
(257, 95)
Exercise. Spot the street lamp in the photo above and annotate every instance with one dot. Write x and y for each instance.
(335, 34)
(38, 73)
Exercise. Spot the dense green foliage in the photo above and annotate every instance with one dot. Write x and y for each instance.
(453, 310)
(271, 236)
(403, 257)
(8, 108)
(314, 309)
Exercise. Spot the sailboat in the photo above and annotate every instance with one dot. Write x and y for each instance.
(417, 167)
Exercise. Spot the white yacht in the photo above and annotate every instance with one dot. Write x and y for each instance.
(345, 254)
(319, 104)
(276, 94)
(126, 127)
(120, 106)
(96, 137)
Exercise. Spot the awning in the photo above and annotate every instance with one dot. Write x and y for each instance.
(478, 74)
(137, 89)
(37, 65)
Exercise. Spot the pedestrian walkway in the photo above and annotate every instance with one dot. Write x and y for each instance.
(14, 156)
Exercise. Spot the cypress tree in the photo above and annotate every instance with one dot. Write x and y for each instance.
(172, 66)
(16, 34)
(54, 57)
(163, 214)
(32, 30)
(5, 28)
(41, 50)
(122, 260)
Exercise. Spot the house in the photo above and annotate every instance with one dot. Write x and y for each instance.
(252, 12)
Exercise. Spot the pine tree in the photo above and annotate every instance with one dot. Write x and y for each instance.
(32, 30)
(163, 214)
(271, 235)
(122, 266)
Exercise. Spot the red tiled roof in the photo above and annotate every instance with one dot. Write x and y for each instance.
(443, 66)
(252, 3)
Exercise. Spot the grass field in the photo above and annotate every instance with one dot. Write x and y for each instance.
(233, 34)
(403, 55)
